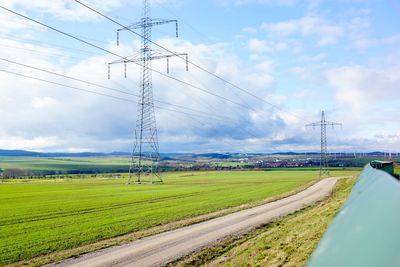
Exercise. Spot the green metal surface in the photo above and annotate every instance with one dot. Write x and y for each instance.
(366, 231)
(387, 166)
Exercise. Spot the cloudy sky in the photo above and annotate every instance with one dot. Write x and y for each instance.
(297, 56)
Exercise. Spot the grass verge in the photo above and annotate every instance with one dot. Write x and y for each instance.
(286, 242)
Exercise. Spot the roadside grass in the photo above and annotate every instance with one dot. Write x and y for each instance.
(289, 241)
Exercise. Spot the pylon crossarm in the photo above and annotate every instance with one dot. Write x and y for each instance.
(316, 124)
(125, 60)
(142, 59)
(150, 22)
(153, 58)
(157, 22)
(328, 123)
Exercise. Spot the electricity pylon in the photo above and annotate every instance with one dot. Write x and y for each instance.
(323, 170)
(145, 154)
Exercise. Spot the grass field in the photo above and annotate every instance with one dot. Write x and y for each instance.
(62, 164)
(38, 217)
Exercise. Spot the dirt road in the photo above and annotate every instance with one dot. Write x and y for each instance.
(163, 248)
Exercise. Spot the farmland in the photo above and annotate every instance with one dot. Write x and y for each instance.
(54, 164)
(44, 216)
(63, 163)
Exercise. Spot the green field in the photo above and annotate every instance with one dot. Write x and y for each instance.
(39, 217)
(62, 164)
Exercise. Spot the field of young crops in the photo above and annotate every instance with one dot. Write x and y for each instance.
(62, 164)
(39, 217)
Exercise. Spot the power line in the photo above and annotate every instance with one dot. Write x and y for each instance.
(201, 113)
(204, 115)
(64, 85)
(324, 151)
(203, 36)
(243, 104)
(35, 51)
(210, 107)
(125, 58)
(97, 93)
(146, 132)
(114, 89)
(192, 63)
(193, 77)
(34, 41)
(65, 76)
(204, 125)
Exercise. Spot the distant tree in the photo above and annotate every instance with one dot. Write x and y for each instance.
(14, 173)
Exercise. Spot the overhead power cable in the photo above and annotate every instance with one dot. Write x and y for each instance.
(192, 63)
(64, 85)
(97, 93)
(113, 89)
(125, 58)
(39, 52)
(202, 114)
(47, 44)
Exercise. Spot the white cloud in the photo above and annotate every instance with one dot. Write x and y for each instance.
(364, 43)
(304, 93)
(9, 23)
(365, 96)
(311, 72)
(327, 33)
(41, 143)
(314, 58)
(259, 2)
(71, 11)
(50, 117)
(258, 46)
(392, 40)
(44, 102)
(39, 116)
(360, 88)
(359, 26)
(249, 30)
(265, 66)
(65, 9)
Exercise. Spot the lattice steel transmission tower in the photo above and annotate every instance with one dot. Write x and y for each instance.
(324, 151)
(145, 153)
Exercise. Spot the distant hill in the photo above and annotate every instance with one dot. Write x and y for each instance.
(23, 153)
(213, 156)
(221, 156)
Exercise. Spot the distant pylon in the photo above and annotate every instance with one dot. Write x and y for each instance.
(145, 154)
(323, 170)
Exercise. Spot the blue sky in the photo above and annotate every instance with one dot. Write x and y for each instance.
(303, 56)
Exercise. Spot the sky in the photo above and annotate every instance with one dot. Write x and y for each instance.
(298, 57)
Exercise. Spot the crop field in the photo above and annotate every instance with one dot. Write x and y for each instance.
(62, 164)
(39, 217)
